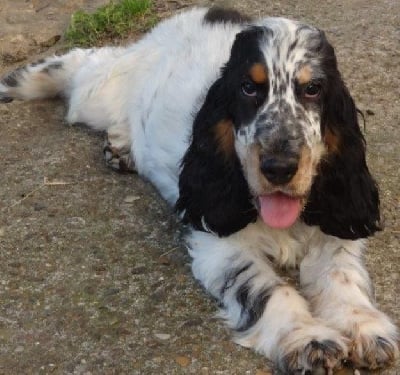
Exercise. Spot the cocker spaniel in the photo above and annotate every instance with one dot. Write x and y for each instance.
(248, 129)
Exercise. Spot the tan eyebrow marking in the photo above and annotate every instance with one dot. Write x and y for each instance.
(304, 75)
(258, 73)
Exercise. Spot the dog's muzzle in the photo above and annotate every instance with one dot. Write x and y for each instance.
(278, 170)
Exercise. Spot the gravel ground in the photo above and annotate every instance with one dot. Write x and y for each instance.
(93, 278)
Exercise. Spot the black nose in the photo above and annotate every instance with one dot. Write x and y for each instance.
(278, 171)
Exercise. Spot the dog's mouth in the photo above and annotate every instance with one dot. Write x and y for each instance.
(279, 210)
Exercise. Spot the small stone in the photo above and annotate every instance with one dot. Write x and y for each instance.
(99, 268)
(138, 270)
(131, 198)
(182, 361)
(111, 292)
(162, 336)
(39, 206)
(76, 221)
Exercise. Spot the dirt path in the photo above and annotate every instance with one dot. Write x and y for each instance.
(93, 278)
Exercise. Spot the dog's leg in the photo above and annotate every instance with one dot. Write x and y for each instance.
(266, 313)
(336, 283)
(83, 77)
(117, 150)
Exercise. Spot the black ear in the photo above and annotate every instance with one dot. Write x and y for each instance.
(213, 193)
(344, 199)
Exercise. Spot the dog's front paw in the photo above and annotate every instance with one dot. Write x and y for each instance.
(118, 159)
(327, 355)
(312, 348)
(372, 348)
(374, 340)
(373, 352)
(5, 96)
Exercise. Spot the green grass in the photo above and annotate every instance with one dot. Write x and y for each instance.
(115, 20)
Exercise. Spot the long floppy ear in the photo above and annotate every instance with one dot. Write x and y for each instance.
(213, 193)
(344, 199)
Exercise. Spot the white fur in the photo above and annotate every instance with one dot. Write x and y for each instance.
(339, 307)
(170, 75)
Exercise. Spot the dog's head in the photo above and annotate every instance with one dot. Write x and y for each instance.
(278, 137)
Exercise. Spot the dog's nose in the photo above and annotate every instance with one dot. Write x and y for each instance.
(278, 171)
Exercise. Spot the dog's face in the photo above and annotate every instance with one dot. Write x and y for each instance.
(281, 114)
(276, 115)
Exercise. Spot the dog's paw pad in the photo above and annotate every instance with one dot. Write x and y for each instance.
(118, 160)
(5, 99)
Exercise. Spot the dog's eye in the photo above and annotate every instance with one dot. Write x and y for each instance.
(312, 91)
(249, 88)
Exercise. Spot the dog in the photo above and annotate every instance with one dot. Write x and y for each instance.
(247, 128)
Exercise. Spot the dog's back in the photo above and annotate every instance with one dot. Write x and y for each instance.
(140, 94)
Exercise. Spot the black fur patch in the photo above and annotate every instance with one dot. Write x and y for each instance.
(231, 278)
(252, 306)
(213, 192)
(55, 65)
(222, 15)
(52, 66)
(11, 80)
(38, 62)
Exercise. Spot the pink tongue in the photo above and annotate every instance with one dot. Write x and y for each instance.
(279, 210)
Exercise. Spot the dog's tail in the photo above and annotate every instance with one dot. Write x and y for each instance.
(45, 78)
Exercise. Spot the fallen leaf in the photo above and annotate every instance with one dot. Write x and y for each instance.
(183, 361)
(262, 372)
(131, 198)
